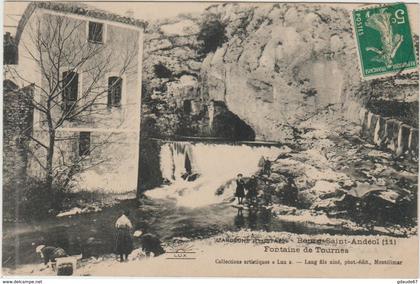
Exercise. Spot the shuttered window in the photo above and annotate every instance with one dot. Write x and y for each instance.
(114, 91)
(70, 85)
(84, 144)
(96, 32)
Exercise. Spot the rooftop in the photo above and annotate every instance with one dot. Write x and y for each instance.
(86, 10)
(73, 8)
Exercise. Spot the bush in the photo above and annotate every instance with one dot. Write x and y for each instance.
(32, 200)
(212, 33)
(161, 71)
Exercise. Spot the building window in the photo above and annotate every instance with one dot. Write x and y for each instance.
(84, 144)
(187, 106)
(114, 91)
(70, 84)
(95, 33)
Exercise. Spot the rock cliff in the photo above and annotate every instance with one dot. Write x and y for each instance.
(274, 70)
(172, 101)
(170, 71)
(281, 64)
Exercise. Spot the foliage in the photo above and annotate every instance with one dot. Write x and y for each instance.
(33, 199)
(161, 71)
(212, 33)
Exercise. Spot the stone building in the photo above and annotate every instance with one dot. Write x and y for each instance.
(94, 58)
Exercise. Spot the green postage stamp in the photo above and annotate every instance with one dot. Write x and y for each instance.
(384, 40)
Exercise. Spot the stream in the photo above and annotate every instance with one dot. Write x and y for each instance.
(194, 209)
(160, 217)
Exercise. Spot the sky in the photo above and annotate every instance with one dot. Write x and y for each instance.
(141, 10)
(159, 10)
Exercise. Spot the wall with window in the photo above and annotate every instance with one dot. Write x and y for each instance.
(115, 105)
(108, 161)
(104, 140)
(116, 158)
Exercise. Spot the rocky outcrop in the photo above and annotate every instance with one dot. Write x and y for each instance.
(336, 174)
(170, 71)
(281, 63)
(173, 44)
(176, 53)
(172, 100)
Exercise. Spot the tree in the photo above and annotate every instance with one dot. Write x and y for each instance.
(56, 45)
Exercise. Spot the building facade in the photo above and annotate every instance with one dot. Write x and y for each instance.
(85, 65)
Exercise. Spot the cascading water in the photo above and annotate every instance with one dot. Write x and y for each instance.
(214, 167)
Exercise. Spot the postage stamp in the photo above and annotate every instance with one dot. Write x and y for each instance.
(384, 39)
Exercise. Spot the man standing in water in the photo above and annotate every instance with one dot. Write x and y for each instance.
(124, 242)
(240, 189)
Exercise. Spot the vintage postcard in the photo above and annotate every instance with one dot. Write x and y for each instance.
(210, 139)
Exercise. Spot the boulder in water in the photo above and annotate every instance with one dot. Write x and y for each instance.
(137, 233)
(73, 211)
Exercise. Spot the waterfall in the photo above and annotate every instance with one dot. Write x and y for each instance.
(176, 159)
(215, 167)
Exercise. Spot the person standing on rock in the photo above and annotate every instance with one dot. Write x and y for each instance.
(267, 167)
(240, 189)
(124, 241)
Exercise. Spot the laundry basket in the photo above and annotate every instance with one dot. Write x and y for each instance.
(66, 266)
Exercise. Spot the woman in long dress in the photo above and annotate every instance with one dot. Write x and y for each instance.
(240, 189)
(124, 241)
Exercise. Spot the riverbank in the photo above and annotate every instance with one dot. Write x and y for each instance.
(331, 172)
(278, 253)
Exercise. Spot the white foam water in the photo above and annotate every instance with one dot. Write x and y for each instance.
(217, 166)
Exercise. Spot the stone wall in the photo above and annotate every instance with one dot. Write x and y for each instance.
(386, 132)
(17, 124)
(170, 71)
(150, 175)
